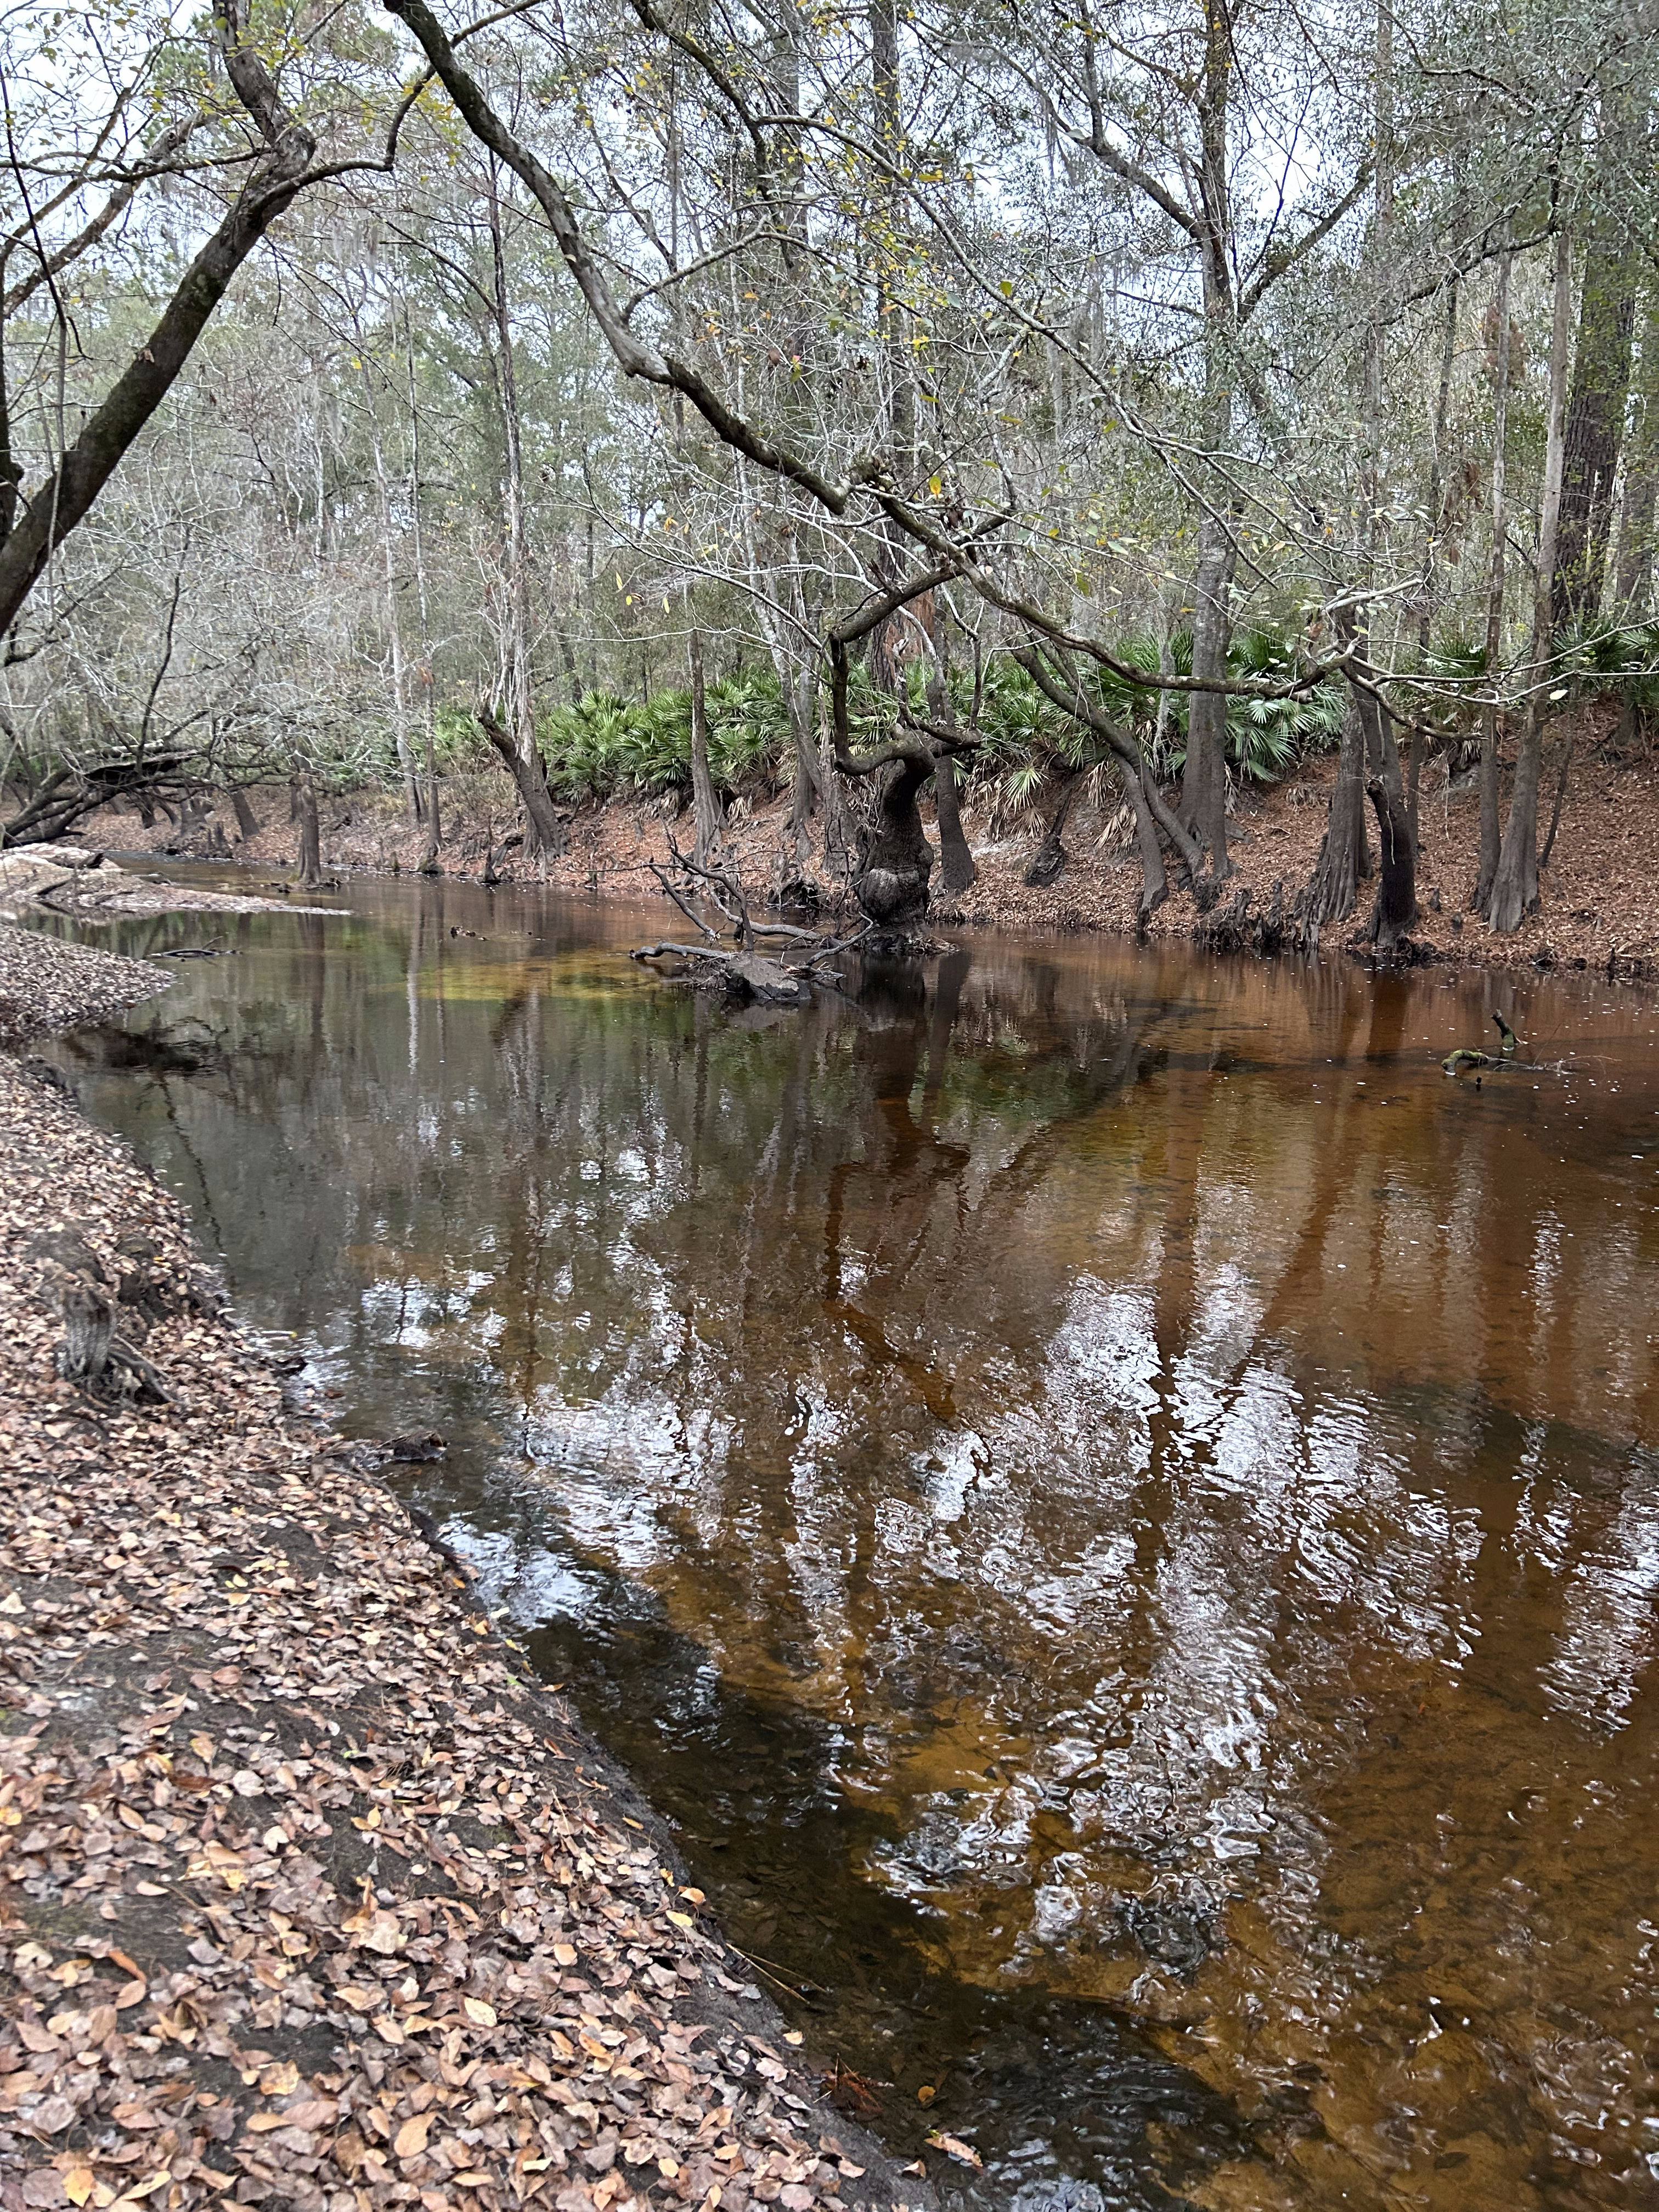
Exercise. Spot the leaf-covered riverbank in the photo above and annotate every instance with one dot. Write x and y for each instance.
(307, 1893)
(1599, 908)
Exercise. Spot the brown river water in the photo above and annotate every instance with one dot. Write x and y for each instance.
(1115, 1504)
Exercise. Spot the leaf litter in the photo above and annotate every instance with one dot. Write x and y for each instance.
(308, 1894)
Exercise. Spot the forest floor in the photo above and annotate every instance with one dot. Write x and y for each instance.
(309, 1892)
(1600, 894)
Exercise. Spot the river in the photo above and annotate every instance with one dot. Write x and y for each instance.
(1114, 1504)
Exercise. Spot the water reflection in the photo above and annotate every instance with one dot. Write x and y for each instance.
(1112, 1501)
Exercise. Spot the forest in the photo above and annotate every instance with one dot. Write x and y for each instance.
(883, 407)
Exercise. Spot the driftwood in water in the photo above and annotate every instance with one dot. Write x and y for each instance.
(745, 971)
(745, 975)
(1468, 1056)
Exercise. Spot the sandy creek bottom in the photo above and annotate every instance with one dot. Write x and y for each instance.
(1115, 1504)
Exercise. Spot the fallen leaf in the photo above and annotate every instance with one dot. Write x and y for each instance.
(310, 2112)
(129, 1994)
(927, 2094)
(376, 1931)
(78, 2183)
(955, 2147)
(480, 2013)
(52, 2115)
(410, 2139)
(281, 2080)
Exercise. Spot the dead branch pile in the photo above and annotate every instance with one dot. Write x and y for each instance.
(731, 953)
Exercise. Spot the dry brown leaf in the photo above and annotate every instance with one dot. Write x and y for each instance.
(410, 2139)
(955, 2147)
(480, 2013)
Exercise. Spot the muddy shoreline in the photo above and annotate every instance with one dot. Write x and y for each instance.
(305, 1887)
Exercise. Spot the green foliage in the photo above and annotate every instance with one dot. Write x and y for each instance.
(1601, 659)
(607, 747)
(1595, 659)
(1266, 737)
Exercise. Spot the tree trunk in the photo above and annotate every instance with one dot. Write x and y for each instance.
(246, 820)
(800, 697)
(957, 870)
(401, 746)
(1601, 381)
(1560, 801)
(1204, 783)
(433, 825)
(1438, 478)
(897, 859)
(1395, 909)
(1071, 698)
(1050, 858)
(531, 777)
(1204, 779)
(1333, 887)
(1489, 821)
(1154, 884)
(516, 683)
(707, 807)
(311, 849)
(1514, 884)
(1633, 574)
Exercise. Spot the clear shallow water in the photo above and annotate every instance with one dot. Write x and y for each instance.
(1115, 1504)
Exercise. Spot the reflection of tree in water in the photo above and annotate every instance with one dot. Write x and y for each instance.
(1116, 1428)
